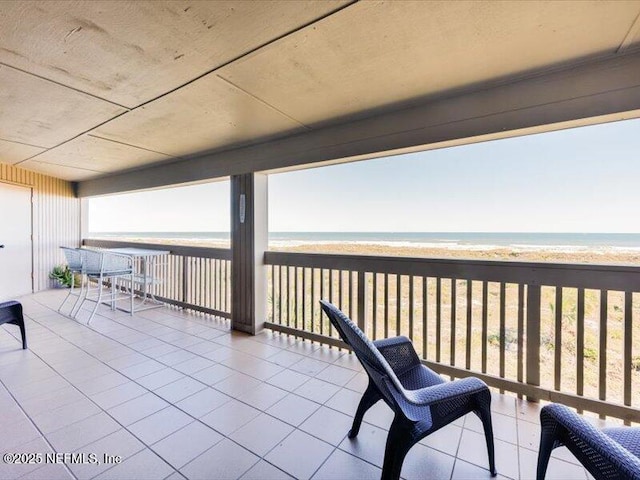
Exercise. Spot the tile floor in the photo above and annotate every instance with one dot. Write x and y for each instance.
(177, 395)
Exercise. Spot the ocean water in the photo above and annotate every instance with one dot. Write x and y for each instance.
(464, 240)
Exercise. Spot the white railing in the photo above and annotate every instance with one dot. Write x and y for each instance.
(560, 332)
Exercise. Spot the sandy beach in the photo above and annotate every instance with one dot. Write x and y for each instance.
(593, 255)
(533, 254)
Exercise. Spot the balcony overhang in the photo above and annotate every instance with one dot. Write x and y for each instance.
(592, 92)
(133, 95)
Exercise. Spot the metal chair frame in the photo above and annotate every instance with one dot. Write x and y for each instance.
(75, 263)
(100, 267)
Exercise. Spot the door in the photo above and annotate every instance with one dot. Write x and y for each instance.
(16, 261)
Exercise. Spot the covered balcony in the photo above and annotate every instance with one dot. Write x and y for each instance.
(239, 375)
(176, 393)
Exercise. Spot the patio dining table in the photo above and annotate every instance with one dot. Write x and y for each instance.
(146, 264)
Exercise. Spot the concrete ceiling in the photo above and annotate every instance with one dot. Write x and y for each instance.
(93, 88)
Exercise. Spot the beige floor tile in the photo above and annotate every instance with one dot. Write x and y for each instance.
(285, 358)
(118, 444)
(300, 454)
(145, 465)
(79, 434)
(293, 409)
(16, 470)
(309, 366)
(317, 390)
(473, 449)
(194, 365)
(159, 425)
(529, 435)
(328, 425)
(261, 434)
(265, 471)
(504, 426)
(214, 374)
(203, 402)
(160, 378)
(230, 417)
(345, 401)
(421, 460)
(182, 446)
(225, 460)
(358, 383)
(341, 465)
(467, 471)
(237, 384)
(102, 383)
(369, 445)
(117, 395)
(556, 470)
(288, 380)
(337, 375)
(176, 357)
(446, 440)
(142, 369)
(53, 420)
(263, 396)
(137, 409)
(48, 472)
(180, 389)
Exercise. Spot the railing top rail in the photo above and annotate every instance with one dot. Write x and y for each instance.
(608, 277)
(183, 250)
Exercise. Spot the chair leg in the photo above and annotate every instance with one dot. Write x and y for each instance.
(368, 400)
(23, 333)
(18, 319)
(131, 297)
(485, 416)
(399, 442)
(113, 293)
(78, 303)
(98, 300)
(547, 442)
(66, 298)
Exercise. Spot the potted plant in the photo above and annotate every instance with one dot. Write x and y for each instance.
(64, 277)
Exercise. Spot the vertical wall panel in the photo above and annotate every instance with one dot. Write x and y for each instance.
(56, 218)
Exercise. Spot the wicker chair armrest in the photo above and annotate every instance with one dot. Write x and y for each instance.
(10, 311)
(399, 353)
(445, 391)
(597, 440)
(9, 303)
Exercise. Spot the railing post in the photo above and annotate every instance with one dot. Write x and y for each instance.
(185, 270)
(533, 337)
(362, 301)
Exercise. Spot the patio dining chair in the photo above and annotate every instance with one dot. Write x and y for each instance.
(421, 400)
(74, 261)
(102, 267)
(608, 454)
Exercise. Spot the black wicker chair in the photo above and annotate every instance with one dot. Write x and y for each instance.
(11, 312)
(612, 453)
(422, 401)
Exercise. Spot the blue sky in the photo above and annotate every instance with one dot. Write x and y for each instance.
(578, 180)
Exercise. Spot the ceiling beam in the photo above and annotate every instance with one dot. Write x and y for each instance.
(593, 92)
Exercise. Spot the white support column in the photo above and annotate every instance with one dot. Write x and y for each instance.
(249, 240)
